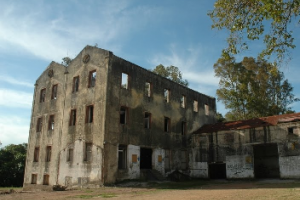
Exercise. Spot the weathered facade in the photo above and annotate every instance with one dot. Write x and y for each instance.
(267, 147)
(103, 119)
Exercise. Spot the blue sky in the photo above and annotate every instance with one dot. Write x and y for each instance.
(148, 33)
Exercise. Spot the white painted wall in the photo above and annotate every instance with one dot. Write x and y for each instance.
(199, 169)
(159, 166)
(133, 167)
(239, 166)
(289, 167)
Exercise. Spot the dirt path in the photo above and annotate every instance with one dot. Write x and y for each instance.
(233, 190)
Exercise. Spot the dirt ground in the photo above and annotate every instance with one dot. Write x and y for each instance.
(219, 189)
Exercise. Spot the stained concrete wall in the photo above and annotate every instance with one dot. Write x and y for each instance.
(158, 163)
(289, 167)
(239, 166)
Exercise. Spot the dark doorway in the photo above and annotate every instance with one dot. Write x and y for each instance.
(146, 158)
(266, 163)
(217, 170)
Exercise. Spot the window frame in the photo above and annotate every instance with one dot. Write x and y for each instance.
(39, 125)
(183, 128)
(46, 178)
(89, 114)
(206, 109)
(73, 117)
(126, 115)
(36, 154)
(51, 123)
(54, 91)
(167, 124)
(195, 106)
(147, 124)
(167, 95)
(75, 86)
(33, 178)
(48, 153)
(92, 79)
(127, 80)
(183, 101)
(148, 90)
(88, 157)
(42, 95)
(70, 154)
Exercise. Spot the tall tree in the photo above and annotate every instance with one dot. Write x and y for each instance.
(12, 165)
(172, 73)
(257, 19)
(252, 88)
(66, 61)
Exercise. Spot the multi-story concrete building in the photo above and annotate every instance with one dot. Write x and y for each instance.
(266, 147)
(103, 119)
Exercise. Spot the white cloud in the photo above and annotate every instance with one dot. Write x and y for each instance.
(14, 98)
(14, 81)
(14, 130)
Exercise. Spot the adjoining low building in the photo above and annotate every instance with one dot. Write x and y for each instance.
(103, 119)
(267, 147)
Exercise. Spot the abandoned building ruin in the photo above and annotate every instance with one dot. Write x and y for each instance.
(102, 119)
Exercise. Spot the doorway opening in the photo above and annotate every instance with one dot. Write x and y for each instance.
(266, 164)
(217, 170)
(146, 158)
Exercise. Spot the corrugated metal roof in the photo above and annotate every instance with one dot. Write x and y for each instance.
(250, 123)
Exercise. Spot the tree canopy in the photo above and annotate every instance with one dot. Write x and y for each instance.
(66, 61)
(172, 73)
(12, 165)
(252, 88)
(257, 19)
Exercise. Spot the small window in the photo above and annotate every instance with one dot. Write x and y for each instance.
(73, 117)
(183, 128)
(134, 158)
(159, 158)
(33, 178)
(206, 108)
(51, 123)
(147, 120)
(167, 95)
(89, 114)
(75, 84)
(43, 95)
(123, 115)
(195, 106)
(167, 123)
(88, 152)
(36, 154)
(48, 153)
(182, 101)
(70, 155)
(92, 78)
(292, 130)
(122, 157)
(148, 89)
(46, 179)
(125, 81)
(54, 92)
(39, 124)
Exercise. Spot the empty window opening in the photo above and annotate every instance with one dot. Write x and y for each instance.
(147, 120)
(148, 89)
(54, 92)
(36, 154)
(122, 153)
(146, 158)
(182, 101)
(167, 123)
(195, 106)
(43, 95)
(92, 78)
(75, 84)
(183, 128)
(48, 153)
(125, 81)
(167, 95)
(123, 115)
(206, 108)
(51, 123)
(33, 178)
(88, 152)
(292, 130)
(73, 117)
(46, 179)
(89, 114)
(39, 124)
(70, 155)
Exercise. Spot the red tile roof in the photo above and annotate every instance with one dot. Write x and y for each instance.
(250, 123)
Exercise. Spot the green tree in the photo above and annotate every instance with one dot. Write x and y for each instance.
(172, 73)
(256, 19)
(66, 61)
(12, 165)
(252, 88)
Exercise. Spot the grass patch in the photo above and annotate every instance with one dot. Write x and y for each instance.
(95, 195)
